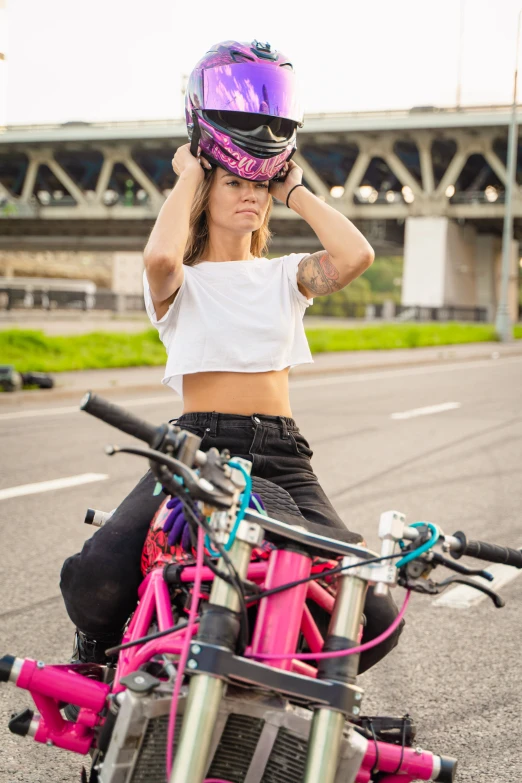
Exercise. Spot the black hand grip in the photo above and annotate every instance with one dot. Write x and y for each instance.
(489, 552)
(493, 553)
(119, 418)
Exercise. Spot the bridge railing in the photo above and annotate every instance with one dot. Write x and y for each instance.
(446, 313)
(45, 297)
(389, 311)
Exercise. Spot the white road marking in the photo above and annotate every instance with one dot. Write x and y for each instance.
(48, 486)
(324, 380)
(463, 597)
(427, 411)
(39, 412)
(76, 409)
(360, 377)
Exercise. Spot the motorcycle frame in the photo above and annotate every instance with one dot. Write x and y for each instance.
(281, 619)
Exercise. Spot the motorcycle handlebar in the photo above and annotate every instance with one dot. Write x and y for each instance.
(120, 418)
(482, 550)
(138, 428)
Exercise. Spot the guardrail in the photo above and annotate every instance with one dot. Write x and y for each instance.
(390, 311)
(46, 298)
(446, 313)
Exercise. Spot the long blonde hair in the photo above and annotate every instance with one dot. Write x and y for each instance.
(198, 226)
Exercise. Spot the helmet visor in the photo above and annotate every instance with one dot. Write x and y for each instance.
(255, 89)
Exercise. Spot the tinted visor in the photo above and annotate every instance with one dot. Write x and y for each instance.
(252, 88)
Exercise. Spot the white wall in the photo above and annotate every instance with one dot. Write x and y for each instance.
(127, 272)
(424, 272)
(449, 264)
(119, 271)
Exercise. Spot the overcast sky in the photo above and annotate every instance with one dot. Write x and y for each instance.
(122, 59)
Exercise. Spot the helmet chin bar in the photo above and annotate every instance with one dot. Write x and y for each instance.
(220, 150)
(266, 126)
(261, 142)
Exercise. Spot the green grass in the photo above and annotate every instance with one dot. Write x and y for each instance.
(389, 336)
(33, 350)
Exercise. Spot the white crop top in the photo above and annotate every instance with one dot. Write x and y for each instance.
(234, 316)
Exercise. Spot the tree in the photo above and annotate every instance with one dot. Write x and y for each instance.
(385, 275)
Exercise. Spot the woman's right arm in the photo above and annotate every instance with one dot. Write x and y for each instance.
(163, 255)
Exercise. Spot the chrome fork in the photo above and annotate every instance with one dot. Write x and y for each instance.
(328, 724)
(206, 691)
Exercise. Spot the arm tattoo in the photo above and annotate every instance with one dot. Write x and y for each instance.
(318, 275)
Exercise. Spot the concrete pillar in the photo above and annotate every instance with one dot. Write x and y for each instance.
(449, 264)
(425, 242)
(460, 283)
(488, 249)
(388, 310)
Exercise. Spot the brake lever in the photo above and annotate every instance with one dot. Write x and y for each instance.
(453, 565)
(429, 587)
(463, 580)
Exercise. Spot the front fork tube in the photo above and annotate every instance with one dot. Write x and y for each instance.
(327, 724)
(205, 691)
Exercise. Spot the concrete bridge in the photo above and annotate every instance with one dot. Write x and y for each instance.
(427, 182)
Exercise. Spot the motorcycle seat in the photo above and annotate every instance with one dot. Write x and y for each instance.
(280, 505)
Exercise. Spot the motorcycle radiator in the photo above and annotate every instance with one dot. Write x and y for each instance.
(257, 739)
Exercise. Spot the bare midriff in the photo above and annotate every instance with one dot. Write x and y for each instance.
(243, 393)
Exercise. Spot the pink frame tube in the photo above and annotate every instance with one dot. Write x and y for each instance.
(279, 616)
(62, 733)
(256, 573)
(49, 685)
(154, 599)
(321, 597)
(414, 766)
(62, 685)
(300, 667)
(310, 631)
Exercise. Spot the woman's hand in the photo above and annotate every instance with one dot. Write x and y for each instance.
(185, 164)
(293, 175)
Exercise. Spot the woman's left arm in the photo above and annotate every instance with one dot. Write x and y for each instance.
(346, 253)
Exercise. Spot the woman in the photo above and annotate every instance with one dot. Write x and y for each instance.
(230, 319)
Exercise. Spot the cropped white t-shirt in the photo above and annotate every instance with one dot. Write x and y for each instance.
(234, 316)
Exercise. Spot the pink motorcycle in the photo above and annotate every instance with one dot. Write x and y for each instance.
(195, 695)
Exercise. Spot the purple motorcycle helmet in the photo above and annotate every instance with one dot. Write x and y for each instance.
(242, 109)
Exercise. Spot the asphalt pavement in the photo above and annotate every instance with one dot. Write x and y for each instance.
(439, 442)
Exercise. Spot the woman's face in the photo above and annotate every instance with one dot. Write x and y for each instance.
(236, 204)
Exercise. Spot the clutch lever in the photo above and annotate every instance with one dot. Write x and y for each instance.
(438, 559)
(164, 467)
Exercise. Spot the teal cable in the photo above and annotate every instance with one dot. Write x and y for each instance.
(245, 502)
(258, 505)
(424, 547)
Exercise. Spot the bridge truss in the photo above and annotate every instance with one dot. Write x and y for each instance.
(104, 184)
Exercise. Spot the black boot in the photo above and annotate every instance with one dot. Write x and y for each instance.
(89, 650)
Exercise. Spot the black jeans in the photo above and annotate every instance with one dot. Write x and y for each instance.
(100, 584)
